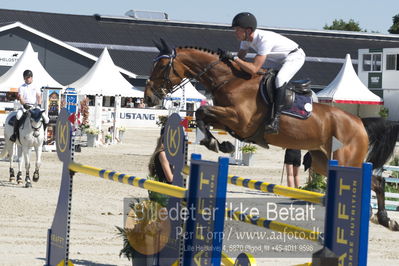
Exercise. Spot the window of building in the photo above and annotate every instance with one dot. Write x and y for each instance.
(92, 100)
(392, 62)
(376, 62)
(372, 62)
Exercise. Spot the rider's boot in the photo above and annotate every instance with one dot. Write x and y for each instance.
(13, 137)
(273, 127)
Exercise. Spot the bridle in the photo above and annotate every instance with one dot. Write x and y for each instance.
(167, 86)
(36, 132)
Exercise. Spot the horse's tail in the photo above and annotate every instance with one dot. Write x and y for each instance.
(383, 135)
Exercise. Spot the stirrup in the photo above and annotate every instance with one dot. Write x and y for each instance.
(273, 127)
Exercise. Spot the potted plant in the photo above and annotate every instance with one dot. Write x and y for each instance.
(92, 135)
(247, 151)
(108, 138)
(121, 132)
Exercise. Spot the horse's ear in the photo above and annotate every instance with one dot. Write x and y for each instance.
(157, 45)
(165, 47)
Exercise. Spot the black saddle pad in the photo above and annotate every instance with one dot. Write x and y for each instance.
(12, 119)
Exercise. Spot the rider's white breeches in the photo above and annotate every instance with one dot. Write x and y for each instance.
(290, 67)
(20, 112)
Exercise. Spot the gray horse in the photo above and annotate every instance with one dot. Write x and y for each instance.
(31, 134)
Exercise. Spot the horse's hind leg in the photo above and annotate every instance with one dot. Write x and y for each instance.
(319, 162)
(378, 186)
(10, 147)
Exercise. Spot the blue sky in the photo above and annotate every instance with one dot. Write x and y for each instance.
(306, 14)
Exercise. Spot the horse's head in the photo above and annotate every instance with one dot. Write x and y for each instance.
(36, 114)
(165, 75)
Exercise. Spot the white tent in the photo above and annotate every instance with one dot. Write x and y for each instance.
(186, 97)
(190, 92)
(13, 79)
(347, 92)
(103, 78)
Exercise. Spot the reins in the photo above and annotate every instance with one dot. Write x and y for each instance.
(170, 67)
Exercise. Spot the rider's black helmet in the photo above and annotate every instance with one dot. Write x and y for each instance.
(27, 73)
(244, 20)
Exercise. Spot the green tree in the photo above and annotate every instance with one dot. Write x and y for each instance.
(394, 29)
(351, 25)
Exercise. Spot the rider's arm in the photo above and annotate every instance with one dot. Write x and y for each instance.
(39, 99)
(251, 67)
(20, 99)
(166, 166)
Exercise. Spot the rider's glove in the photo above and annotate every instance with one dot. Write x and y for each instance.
(26, 106)
(225, 55)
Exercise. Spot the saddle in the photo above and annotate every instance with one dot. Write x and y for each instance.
(297, 95)
(21, 121)
(13, 118)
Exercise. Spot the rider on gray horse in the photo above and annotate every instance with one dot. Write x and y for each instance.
(29, 96)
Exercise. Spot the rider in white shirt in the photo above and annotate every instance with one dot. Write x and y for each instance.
(29, 96)
(272, 50)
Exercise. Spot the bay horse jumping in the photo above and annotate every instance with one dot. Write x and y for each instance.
(239, 109)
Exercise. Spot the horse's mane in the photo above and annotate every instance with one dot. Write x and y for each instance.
(206, 50)
(235, 70)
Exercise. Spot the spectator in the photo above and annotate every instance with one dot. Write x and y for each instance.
(129, 103)
(141, 103)
(292, 162)
(159, 167)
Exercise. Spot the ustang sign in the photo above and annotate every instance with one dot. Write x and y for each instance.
(132, 117)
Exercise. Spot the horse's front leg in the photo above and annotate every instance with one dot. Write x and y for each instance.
(26, 153)
(214, 116)
(38, 151)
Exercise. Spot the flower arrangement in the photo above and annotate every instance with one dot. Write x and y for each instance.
(248, 148)
(162, 120)
(92, 131)
(122, 129)
(108, 137)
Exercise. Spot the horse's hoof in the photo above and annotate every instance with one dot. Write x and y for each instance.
(28, 184)
(35, 177)
(393, 225)
(19, 181)
(227, 147)
(210, 144)
(12, 178)
(374, 219)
